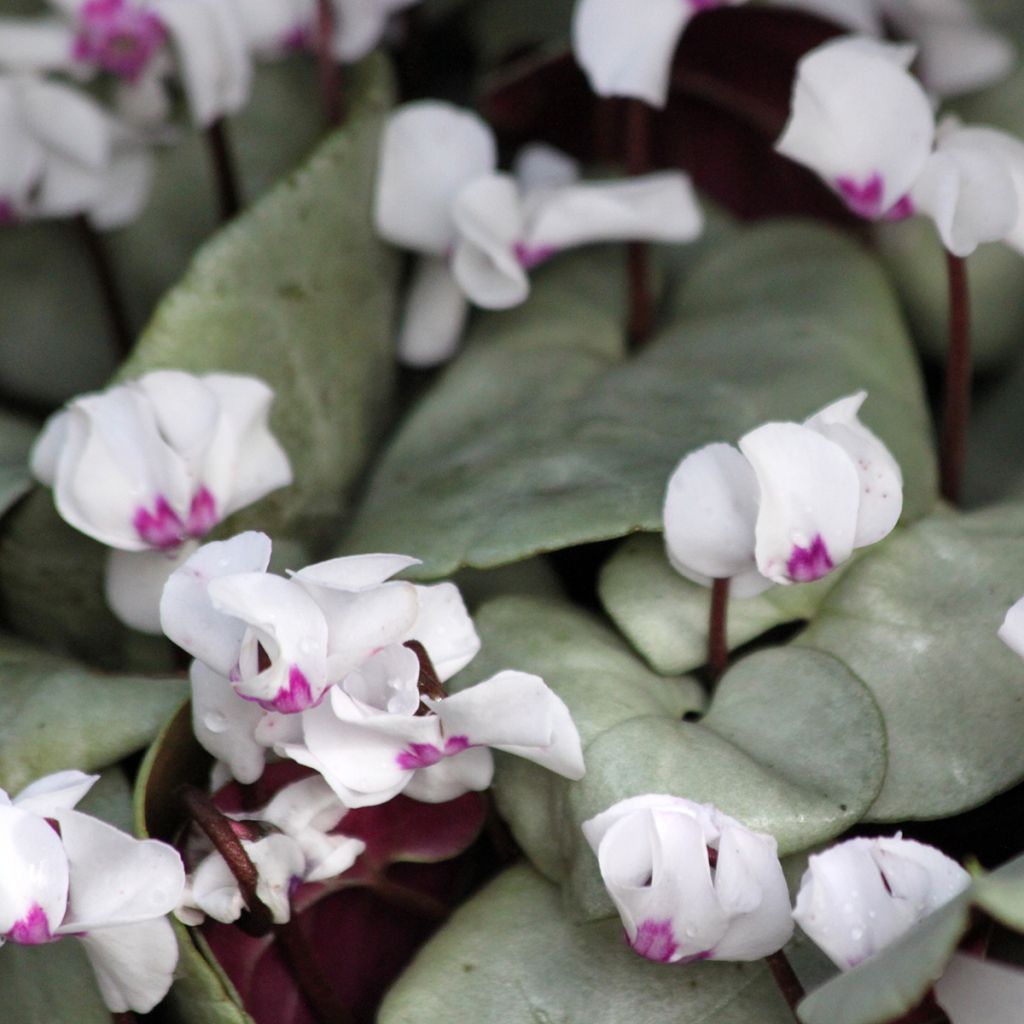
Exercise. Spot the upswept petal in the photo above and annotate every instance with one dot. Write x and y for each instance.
(209, 40)
(488, 214)
(387, 683)
(861, 121)
(134, 583)
(33, 877)
(360, 24)
(653, 208)
(68, 123)
(468, 772)
(354, 573)
(114, 878)
(429, 152)
(881, 492)
(710, 514)
(125, 187)
(974, 991)
(626, 48)
(518, 713)
(810, 494)
(434, 315)
(271, 26)
(1011, 632)
(540, 166)
(225, 724)
(36, 44)
(445, 628)
(59, 791)
(187, 614)
(286, 625)
(134, 964)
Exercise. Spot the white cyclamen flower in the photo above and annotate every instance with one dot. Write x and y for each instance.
(65, 873)
(787, 507)
(282, 642)
(626, 46)
(479, 231)
(859, 896)
(370, 740)
(689, 882)
(974, 991)
(63, 155)
(149, 466)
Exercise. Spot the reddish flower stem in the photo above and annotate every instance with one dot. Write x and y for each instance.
(429, 685)
(228, 194)
(127, 1017)
(330, 77)
(110, 291)
(927, 1012)
(956, 410)
(638, 161)
(786, 980)
(718, 646)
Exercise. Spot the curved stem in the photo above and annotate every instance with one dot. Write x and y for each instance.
(228, 194)
(330, 79)
(718, 646)
(786, 980)
(956, 410)
(429, 685)
(638, 161)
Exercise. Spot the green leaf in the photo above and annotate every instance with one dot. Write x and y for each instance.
(665, 616)
(298, 290)
(896, 979)
(511, 955)
(58, 714)
(110, 800)
(539, 438)
(49, 984)
(916, 619)
(792, 743)
(994, 470)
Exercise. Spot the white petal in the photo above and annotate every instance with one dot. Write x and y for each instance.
(134, 964)
(114, 878)
(387, 681)
(626, 48)
(270, 24)
(810, 495)
(468, 772)
(861, 122)
(61, 790)
(290, 628)
(710, 512)
(653, 208)
(278, 860)
(1011, 632)
(135, 581)
(429, 152)
(225, 724)
(33, 877)
(595, 829)
(210, 45)
(881, 493)
(45, 454)
(68, 122)
(974, 991)
(538, 166)
(360, 25)
(124, 188)
(518, 713)
(354, 572)
(214, 890)
(35, 44)
(488, 214)
(445, 628)
(969, 192)
(434, 315)
(187, 614)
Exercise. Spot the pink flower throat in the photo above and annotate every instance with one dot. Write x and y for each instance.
(162, 528)
(118, 37)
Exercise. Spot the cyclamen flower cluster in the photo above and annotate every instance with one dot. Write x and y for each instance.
(479, 231)
(323, 667)
(788, 506)
(66, 874)
(150, 466)
(865, 125)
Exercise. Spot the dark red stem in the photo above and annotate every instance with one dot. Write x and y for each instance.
(106, 280)
(330, 79)
(638, 161)
(786, 980)
(958, 381)
(927, 1012)
(127, 1017)
(718, 645)
(430, 686)
(228, 194)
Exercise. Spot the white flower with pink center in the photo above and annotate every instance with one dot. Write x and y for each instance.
(626, 46)
(63, 873)
(377, 735)
(480, 231)
(689, 882)
(788, 506)
(150, 466)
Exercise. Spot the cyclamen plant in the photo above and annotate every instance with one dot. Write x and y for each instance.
(547, 700)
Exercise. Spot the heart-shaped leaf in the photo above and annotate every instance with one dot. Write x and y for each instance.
(792, 744)
(298, 290)
(512, 955)
(916, 619)
(537, 439)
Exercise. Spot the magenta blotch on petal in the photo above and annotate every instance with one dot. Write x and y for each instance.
(296, 696)
(118, 37)
(529, 256)
(455, 745)
(162, 528)
(655, 941)
(33, 929)
(811, 563)
(419, 755)
(864, 198)
(202, 515)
